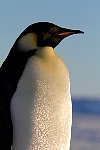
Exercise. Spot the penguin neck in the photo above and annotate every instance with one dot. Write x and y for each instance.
(45, 52)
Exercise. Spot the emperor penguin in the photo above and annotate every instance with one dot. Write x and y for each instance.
(35, 99)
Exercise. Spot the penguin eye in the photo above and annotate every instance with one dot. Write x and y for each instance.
(43, 36)
(46, 35)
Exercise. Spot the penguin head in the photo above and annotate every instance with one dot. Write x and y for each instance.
(43, 34)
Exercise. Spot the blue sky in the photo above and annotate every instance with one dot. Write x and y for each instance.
(81, 53)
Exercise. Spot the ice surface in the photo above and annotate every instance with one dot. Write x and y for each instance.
(85, 132)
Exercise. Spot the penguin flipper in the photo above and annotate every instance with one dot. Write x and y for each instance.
(6, 129)
(10, 73)
(6, 134)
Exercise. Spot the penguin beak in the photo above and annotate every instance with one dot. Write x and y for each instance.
(68, 32)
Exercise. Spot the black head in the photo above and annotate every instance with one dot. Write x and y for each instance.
(48, 34)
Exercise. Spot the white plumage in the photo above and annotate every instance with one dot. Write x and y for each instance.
(41, 106)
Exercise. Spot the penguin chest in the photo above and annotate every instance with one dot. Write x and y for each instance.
(41, 107)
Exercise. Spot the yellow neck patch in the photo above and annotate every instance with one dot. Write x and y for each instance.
(45, 52)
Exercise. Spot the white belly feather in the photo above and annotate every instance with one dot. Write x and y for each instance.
(41, 106)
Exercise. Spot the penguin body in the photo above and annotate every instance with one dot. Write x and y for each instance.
(41, 106)
(37, 88)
